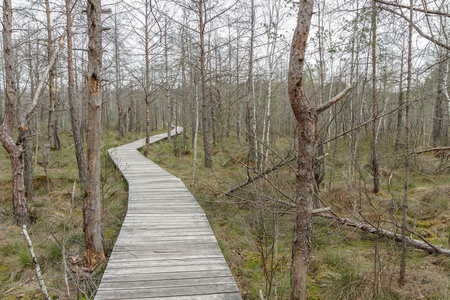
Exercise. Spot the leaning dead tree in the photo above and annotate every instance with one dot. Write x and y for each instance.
(421, 245)
(249, 180)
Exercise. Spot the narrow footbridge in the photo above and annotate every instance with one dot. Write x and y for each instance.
(166, 248)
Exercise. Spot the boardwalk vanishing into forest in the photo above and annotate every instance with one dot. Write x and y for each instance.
(166, 248)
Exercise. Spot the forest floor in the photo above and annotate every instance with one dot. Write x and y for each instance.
(346, 263)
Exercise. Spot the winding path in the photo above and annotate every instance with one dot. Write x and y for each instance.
(166, 248)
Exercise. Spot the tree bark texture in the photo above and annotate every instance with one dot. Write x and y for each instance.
(306, 117)
(14, 149)
(91, 208)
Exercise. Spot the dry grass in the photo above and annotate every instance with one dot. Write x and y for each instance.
(56, 221)
(342, 265)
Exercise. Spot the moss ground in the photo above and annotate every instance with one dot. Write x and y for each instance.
(343, 258)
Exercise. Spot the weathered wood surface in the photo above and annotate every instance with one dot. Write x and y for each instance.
(166, 248)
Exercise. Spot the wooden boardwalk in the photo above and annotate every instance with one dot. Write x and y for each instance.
(166, 248)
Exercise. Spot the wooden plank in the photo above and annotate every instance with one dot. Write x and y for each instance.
(166, 248)
(207, 289)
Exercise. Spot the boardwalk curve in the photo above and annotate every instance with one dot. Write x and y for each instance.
(166, 248)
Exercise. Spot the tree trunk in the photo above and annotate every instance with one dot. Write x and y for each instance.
(20, 209)
(56, 137)
(205, 120)
(117, 82)
(438, 111)
(51, 88)
(77, 138)
(402, 279)
(373, 137)
(251, 105)
(400, 110)
(183, 90)
(194, 163)
(24, 139)
(305, 116)
(91, 208)
(147, 80)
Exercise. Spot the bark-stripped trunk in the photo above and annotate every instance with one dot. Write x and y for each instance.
(305, 116)
(77, 138)
(14, 149)
(95, 253)
(205, 120)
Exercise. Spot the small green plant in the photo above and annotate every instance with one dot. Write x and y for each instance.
(25, 257)
(54, 254)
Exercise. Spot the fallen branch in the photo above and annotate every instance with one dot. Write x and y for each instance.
(320, 210)
(430, 248)
(431, 150)
(36, 265)
(251, 179)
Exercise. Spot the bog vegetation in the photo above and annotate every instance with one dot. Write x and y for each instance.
(346, 198)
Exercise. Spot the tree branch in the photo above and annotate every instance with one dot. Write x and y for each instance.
(36, 265)
(431, 12)
(426, 246)
(419, 31)
(334, 100)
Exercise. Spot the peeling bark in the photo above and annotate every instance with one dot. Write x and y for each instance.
(20, 209)
(95, 252)
(306, 118)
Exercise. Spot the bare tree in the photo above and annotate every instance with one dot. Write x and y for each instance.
(306, 117)
(92, 225)
(77, 138)
(402, 279)
(373, 136)
(20, 209)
